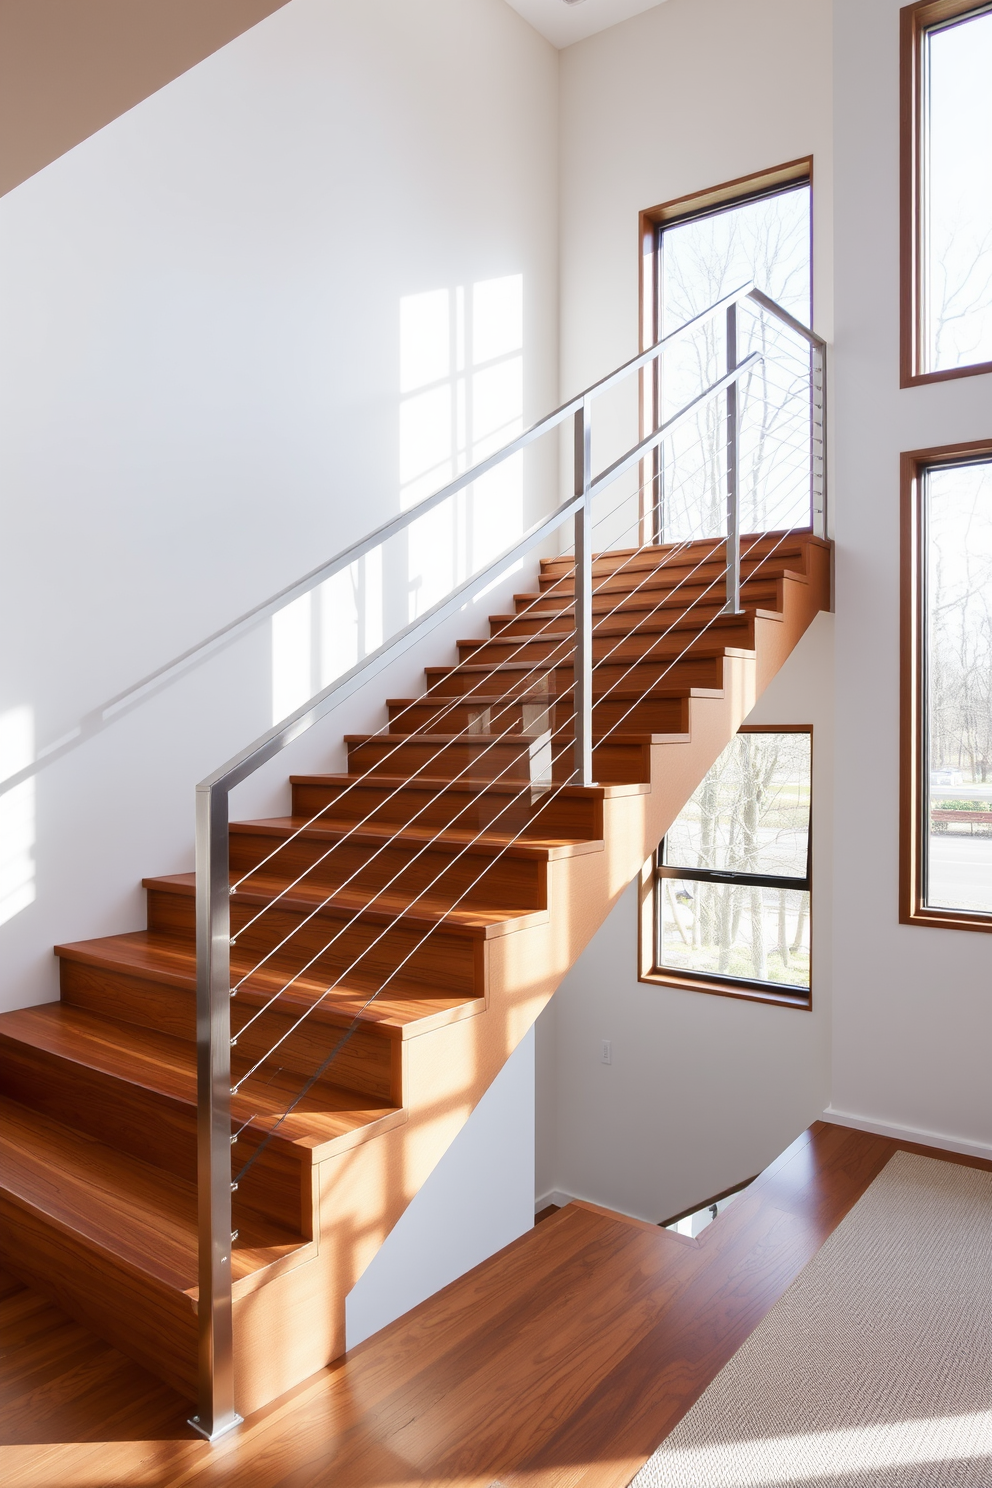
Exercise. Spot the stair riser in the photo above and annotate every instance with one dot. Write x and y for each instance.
(364, 1064)
(445, 962)
(506, 761)
(140, 1122)
(638, 608)
(644, 621)
(654, 716)
(561, 816)
(146, 1320)
(614, 648)
(506, 883)
(758, 545)
(459, 718)
(634, 586)
(626, 762)
(689, 670)
(523, 683)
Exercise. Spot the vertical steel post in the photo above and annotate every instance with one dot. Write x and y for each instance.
(582, 692)
(733, 604)
(818, 446)
(216, 1413)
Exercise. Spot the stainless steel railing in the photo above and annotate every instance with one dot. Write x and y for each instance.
(560, 747)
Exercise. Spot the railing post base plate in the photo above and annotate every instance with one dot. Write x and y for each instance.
(212, 1436)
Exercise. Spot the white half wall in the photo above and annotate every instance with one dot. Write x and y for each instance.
(479, 1198)
(703, 1091)
(202, 379)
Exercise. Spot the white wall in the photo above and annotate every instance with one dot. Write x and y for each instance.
(685, 96)
(702, 1091)
(912, 1005)
(479, 1198)
(200, 389)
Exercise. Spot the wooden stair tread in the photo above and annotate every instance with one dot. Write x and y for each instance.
(386, 908)
(165, 1065)
(490, 699)
(468, 667)
(485, 843)
(702, 617)
(610, 620)
(119, 1204)
(423, 737)
(403, 1010)
(467, 784)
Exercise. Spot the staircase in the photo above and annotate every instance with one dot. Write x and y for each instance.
(98, 1092)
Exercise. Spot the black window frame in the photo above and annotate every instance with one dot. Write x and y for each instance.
(779, 992)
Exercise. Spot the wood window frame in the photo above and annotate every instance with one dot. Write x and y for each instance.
(648, 969)
(651, 221)
(912, 763)
(914, 23)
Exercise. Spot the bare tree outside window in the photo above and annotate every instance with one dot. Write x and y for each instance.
(732, 879)
(957, 156)
(766, 239)
(958, 625)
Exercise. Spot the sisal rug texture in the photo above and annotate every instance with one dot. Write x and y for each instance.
(874, 1369)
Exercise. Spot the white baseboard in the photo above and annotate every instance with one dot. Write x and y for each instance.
(909, 1133)
(553, 1196)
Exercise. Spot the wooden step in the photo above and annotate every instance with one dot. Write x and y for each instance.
(641, 592)
(646, 614)
(435, 944)
(572, 813)
(134, 1089)
(659, 638)
(113, 1240)
(467, 868)
(699, 666)
(150, 979)
(624, 758)
(665, 711)
(754, 548)
(640, 610)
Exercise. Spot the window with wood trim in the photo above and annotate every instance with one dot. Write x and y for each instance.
(946, 190)
(947, 688)
(732, 876)
(694, 251)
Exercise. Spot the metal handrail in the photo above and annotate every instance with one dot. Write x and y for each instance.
(217, 1412)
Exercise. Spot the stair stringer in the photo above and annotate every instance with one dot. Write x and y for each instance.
(295, 1325)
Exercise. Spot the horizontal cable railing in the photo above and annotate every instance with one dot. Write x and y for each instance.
(749, 438)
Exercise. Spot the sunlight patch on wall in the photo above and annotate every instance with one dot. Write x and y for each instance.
(461, 399)
(323, 634)
(17, 814)
(461, 384)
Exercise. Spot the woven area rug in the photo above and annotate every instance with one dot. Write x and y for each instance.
(875, 1367)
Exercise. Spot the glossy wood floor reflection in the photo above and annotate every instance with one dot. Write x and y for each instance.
(563, 1360)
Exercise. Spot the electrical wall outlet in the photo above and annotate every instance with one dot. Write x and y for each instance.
(607, 1055)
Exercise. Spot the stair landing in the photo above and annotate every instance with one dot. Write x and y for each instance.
(563, 1360)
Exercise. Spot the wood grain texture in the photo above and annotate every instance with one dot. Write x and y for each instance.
(564, 1359)
(417, 956)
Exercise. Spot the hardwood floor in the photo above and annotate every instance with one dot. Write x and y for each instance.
(563, 1360)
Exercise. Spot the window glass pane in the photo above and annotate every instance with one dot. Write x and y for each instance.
(767, 240)
(958, 194)
(734, 930)
(751, 813)
(959, 687)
